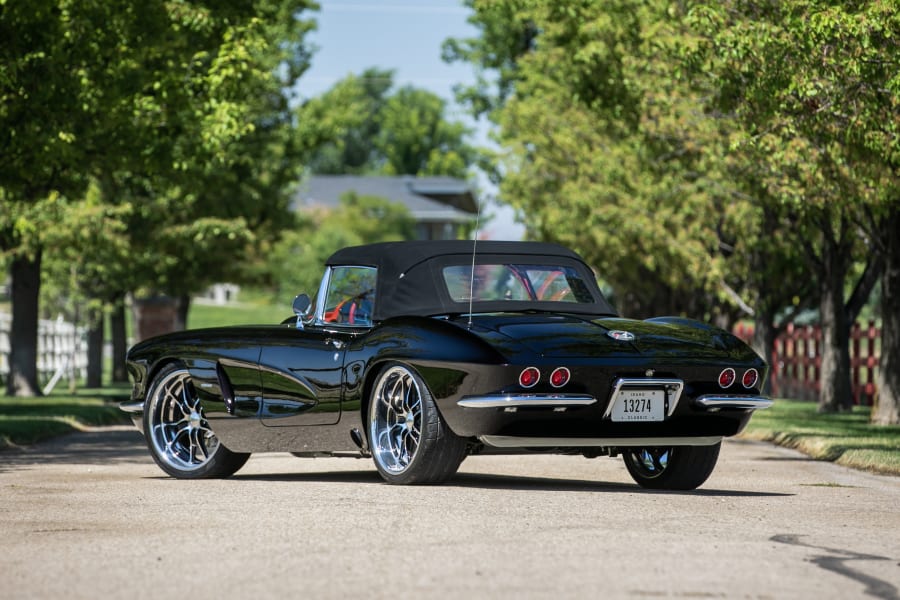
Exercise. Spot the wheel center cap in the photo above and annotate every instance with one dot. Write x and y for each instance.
(194, 420)
(410, 420)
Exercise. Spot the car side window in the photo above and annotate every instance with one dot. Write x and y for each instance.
(350, 297)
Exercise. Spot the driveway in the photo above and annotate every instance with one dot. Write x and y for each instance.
(90, 515)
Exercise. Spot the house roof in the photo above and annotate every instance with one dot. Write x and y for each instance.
(428, 199)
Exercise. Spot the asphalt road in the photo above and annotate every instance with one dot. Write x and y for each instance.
(91, 516)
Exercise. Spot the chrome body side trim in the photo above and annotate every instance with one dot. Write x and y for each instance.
(716, 402)
(530, 400)
(506, 441)
(673, 388)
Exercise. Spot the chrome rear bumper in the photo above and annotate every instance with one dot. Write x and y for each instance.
(526, 400)
(714, 402)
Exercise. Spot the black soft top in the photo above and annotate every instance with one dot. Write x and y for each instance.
(410, 283)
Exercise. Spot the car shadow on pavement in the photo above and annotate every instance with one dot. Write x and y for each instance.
(503, 482)
(581, 485)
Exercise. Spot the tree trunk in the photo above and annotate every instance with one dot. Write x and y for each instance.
(764, 334)
(25, 275)
(184, 307)
(95, 353)
(119, 342)
(887, 404)
(835, 391)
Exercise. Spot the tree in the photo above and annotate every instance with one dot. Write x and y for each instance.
(87, 258)
(339, 126)
(416, 139)
(605, 150)
(150, 95)
(506, 32)
(817, 101)
(358, 127)
(43, 110)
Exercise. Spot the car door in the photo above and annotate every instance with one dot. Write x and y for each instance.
(302, 367)
(301, 372)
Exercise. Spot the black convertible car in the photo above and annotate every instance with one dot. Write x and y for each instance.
(421, 353)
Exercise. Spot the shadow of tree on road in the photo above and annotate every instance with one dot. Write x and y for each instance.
(106, 446)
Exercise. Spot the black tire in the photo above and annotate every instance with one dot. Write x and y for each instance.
(675, 468)
(178, 435)
(409, 440)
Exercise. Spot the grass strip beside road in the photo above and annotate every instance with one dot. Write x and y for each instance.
(30, 420)
(846, 438)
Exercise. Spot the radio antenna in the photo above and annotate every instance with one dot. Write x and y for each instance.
(472, 272)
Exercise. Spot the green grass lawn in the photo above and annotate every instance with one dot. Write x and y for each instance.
(245, 313)
(845, 438)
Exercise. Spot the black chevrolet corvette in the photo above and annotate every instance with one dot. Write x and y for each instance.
(421, 353)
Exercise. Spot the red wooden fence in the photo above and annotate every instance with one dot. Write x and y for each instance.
(795, 363)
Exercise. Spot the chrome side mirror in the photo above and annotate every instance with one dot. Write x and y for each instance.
(301, 308)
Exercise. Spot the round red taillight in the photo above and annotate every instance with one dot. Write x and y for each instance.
(529, 377)
(750, 378)
(559, 377)
(726, 377)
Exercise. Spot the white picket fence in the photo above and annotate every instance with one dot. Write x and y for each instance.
(62, 350)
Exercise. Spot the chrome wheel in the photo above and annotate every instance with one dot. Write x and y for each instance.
(409, 440)
(396, 420)
(673, 468)
(649, 462)
(178, 432)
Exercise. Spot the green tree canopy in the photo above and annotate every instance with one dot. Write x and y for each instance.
(814, 89)
(160, 103)
(603, 150)
(360, 127)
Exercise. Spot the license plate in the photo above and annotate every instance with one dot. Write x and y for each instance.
(639, 405)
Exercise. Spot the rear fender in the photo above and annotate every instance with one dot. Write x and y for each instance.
(448, 358)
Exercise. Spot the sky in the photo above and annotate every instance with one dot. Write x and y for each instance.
(405, 36)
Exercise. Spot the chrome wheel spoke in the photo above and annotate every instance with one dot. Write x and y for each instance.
(412, 401)
(174, 403)
(173, 434)
(410, 442)
(197, 449)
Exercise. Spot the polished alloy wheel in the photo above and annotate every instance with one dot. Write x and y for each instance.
(649, 462)
(178, 432)
(396, 419)
(671, 468)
